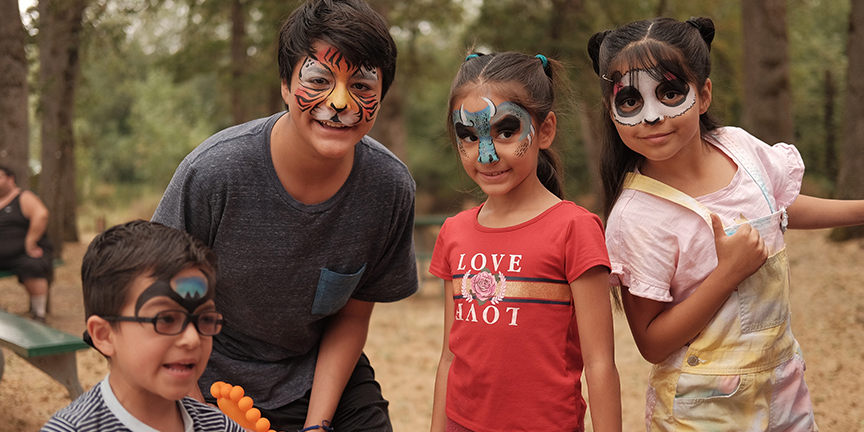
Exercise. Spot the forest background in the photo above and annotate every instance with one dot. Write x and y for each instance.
(101, 99)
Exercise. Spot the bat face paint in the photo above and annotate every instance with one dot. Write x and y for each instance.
(505, 123)
(638, 97)
(336, 92)
(188, 292)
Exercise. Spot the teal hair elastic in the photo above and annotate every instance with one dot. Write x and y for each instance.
(543, 59)
(470, 56)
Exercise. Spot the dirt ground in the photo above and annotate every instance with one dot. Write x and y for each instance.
(405, 342)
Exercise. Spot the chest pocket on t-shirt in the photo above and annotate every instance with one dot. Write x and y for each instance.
(334, 290)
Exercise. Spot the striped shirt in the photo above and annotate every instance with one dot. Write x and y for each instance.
(99, 410)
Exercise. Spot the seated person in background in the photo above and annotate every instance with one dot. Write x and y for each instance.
(144, 284)
(24, 248)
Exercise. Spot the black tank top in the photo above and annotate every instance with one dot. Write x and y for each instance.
(13, 230)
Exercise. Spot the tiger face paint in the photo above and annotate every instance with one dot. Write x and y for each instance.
(335, 92)
(504, 123)
(639, 97)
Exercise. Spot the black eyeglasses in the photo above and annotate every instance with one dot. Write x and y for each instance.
(174, 322)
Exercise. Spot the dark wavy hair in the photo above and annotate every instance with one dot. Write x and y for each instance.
(661, 45)
(116, 257)
(523, 79)
(351, 26)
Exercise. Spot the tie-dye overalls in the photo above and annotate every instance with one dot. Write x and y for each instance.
(744, 371)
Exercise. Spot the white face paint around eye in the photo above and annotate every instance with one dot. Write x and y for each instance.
(638, 97)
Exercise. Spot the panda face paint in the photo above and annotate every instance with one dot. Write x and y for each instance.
(503, 123)
(638, 97)
(189, 292)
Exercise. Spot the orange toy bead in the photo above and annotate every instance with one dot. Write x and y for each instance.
(262, 425)
(253, 415)
(237, 393)
(245, 403)
(233, 403)
(216, 389)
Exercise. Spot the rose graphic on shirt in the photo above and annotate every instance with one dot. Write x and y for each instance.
(484, 286)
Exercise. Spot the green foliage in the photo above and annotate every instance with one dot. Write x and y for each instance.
(134, 123)
(156, 77)
(818, 31)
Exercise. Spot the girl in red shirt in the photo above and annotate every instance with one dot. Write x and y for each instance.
(527, 271)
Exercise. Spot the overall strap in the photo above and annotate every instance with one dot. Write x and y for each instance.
(659, 189)
(746, 162)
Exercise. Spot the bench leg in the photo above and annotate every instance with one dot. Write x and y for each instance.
(63, 368)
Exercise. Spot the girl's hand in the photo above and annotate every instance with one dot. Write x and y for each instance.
(660, 331)
(739, 255)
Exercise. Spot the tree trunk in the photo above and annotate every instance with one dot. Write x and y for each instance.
(14, 117)
(767, 95)
(390, 127)
(830, 127)
(662, 8)
(60, 26)
(238, 61)
(850, 184)
(565, 14)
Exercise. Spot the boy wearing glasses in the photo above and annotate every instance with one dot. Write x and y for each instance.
(148, 301)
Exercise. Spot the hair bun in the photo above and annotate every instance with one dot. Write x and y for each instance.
(705, 27)
(594, 49)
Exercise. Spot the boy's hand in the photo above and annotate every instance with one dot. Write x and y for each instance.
(739, 255)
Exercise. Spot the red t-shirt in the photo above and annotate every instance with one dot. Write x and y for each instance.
(517, 361)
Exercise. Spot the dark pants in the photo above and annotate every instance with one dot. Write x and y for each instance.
(362, 407)
(27, 267)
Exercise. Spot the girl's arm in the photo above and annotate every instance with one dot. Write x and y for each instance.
(659, 332)
(596, 338)
(809, 212)
(439, 416)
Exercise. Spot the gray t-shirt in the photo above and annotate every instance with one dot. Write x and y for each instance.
(285, 266)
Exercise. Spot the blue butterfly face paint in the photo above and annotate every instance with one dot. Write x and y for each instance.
(189, 292)
(506, 122)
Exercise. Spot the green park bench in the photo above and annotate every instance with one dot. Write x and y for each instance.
(423, 240)
(425, 232)
(47, 348)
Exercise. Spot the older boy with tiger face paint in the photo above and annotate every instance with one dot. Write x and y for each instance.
(311, 220)
(332, 104)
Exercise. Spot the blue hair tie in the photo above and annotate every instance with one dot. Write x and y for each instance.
(544, 60)
(470, 56)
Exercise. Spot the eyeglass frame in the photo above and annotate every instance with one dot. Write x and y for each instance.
(190, 318)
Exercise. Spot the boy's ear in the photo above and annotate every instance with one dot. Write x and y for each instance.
(102, 334)
(286, 91)
(705, 97)
(546, 134)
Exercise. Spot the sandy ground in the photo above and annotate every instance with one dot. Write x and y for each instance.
(405, 342)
